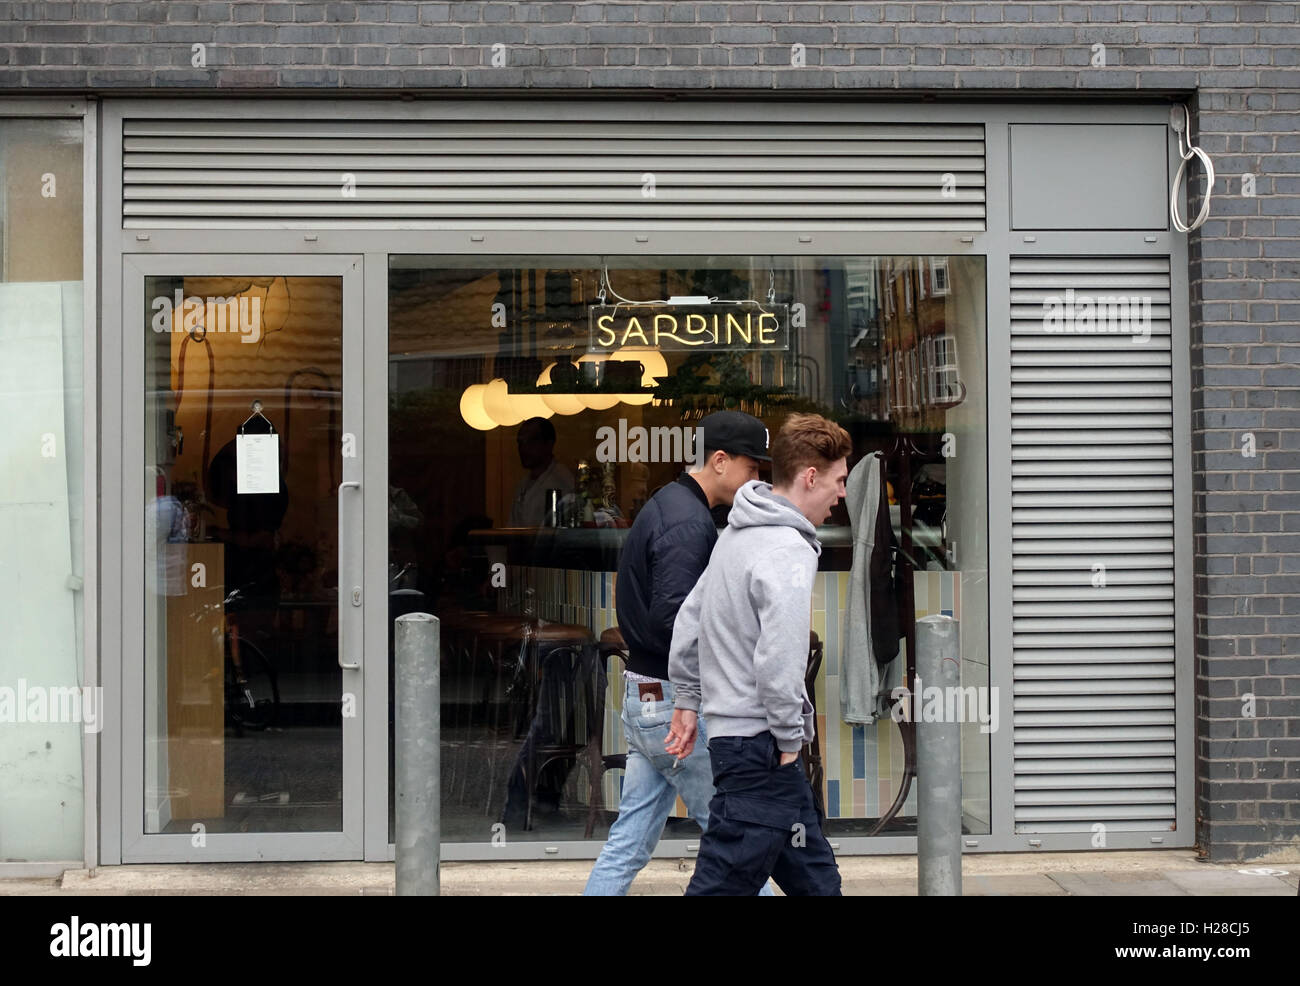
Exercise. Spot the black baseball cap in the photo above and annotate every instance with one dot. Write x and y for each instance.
(735, 433)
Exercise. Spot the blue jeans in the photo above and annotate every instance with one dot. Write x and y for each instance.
(651, 785)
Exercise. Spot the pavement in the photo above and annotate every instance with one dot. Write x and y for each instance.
(1165, 873)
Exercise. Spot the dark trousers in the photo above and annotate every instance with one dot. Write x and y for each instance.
(763, 823)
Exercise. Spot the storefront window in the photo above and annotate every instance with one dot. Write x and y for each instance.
(45, 711)
(537, 404)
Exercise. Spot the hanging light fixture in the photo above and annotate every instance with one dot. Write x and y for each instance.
(559, 403)
(597, 401)
(471, 408)
(498, 404)
(654, 366)
(530, 406)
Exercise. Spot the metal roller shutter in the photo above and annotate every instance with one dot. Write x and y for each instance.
(457, 174)
(1092, 551)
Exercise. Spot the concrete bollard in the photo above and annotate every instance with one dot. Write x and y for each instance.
(417, 752)
(938, 762)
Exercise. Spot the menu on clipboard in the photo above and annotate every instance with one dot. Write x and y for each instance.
(257, 463)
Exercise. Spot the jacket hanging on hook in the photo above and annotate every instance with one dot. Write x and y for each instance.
(871, 632)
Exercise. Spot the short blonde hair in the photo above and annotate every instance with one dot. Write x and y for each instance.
(807, 440)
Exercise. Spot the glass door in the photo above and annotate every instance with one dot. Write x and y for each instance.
(242, 691)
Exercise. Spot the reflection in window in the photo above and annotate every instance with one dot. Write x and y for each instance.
(527, 440)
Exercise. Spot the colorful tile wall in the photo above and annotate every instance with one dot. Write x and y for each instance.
(863, 764)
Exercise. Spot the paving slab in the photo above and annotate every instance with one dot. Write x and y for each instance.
(1229, 883)
(878, 888)
(1011, 885)
(1117, 885)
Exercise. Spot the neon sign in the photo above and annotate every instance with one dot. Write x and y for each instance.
(744, 327)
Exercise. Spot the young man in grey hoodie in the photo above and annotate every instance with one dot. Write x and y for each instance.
(738, 656)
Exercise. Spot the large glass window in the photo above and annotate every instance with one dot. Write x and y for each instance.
(536, 404)
(44, 709)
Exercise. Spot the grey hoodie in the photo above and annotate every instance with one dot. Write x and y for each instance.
(740, 641)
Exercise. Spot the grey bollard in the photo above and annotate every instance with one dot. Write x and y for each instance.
(418, 764)
(938, 760)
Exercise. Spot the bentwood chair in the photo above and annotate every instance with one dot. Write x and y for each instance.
(812, 752)
(613, 652)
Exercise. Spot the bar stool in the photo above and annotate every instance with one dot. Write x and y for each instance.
(552, 696)
(516, 646)
(474, 647)
(571, 717)
(613, 652)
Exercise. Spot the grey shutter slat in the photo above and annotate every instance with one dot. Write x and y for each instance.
(506, 173)
(1137, 797)
(511, 144)
(1066, 416)
(1027, 483)
(1127, 669)
(613, 130)
(1038, 773)
(914, 169)
(1041, 693)
(1065, 580)
(592, 214)
(144, 178)
(1037, 661)
(1027, 641)
(1115, 564)
(1094, 391)
(1073, 595)
(1135, 779)
(1043, 469)
(1092, 492)
(448, 197)
(1080, 498)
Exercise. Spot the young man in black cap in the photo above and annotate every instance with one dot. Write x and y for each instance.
(666, 549)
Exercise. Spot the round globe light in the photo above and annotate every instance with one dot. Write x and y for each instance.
(559, 403)
(498, 403)
(471, 408)
(530, 406)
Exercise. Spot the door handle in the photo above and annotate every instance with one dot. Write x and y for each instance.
(350, 484)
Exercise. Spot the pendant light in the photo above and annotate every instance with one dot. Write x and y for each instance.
(655, 366)
(498, 404)
(597, 401)
(559, 403)
(472, 410)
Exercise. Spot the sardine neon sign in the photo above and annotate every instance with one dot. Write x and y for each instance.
(738, 327)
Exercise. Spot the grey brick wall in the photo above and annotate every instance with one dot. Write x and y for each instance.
(1241, 61)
